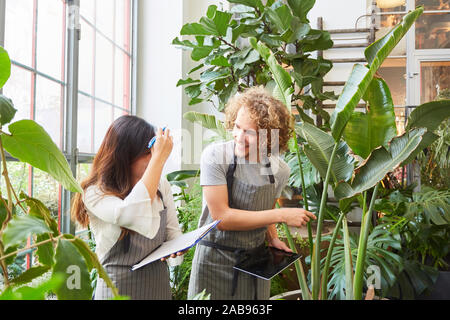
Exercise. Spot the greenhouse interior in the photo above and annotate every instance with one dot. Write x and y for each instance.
(225, 150)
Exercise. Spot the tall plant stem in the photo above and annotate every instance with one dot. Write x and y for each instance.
(362, 246)
(315, 258)
(8, 210)
(298, 266)
(305, 199)
(8, 186)
(324, 293)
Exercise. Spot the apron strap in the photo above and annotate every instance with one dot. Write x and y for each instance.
(230, 177)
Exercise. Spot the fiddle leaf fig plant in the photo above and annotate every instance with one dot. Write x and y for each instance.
(67, 259)
(229, 62)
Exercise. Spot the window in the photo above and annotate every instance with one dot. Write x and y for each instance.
(105, 68)
(36, 38)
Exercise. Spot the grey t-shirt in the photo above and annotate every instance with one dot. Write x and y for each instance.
(217, 157)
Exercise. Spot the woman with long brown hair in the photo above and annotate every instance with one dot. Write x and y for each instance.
(129, 208)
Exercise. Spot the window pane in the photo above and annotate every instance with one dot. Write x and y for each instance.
(103, 69)
(18, 89)
(19, 30)
(48, 107)
(433, 31)
(103, 119)
(393, 71)
(18, 174)
(83, 170)
(84, 138)
(434, 79)
(118, 113)
(50, 46)
(105, 17)
(434, 4)
(119, 78)
(86, 62)
(120, 23)
(87, 10)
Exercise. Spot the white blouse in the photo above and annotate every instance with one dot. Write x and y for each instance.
(136, 212)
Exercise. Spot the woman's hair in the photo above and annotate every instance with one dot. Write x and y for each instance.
(267, 112)
(125, 141)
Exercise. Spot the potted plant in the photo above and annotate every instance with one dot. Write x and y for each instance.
(421, 221)
(67, 259)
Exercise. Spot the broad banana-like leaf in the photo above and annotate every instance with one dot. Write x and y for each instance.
(361, 76)
(367, 131)
(283, 89)
(5, 67)
(319, 148)
(209, 121)
(30, 143)
(380, 162)
(428, 115)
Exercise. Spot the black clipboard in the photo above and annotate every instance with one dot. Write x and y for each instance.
(266, 262)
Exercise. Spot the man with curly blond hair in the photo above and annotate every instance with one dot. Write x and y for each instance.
(241, 180)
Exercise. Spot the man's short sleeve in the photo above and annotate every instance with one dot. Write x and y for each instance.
(212, 171)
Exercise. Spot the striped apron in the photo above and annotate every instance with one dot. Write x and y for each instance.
(150, 282)
(218, 252)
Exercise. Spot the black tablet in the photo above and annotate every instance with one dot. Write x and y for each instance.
(266, 262)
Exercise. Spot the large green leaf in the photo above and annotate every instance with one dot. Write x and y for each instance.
(428, 115)
(316, 40)
(380, 162)
(319, 148)
(281, 17)
(7, 110)
(257, 4)
(70, 264)
(435, 205)
(380, 49)
(361, 76)
(283, 89)
(300, 8)
(30, 143)
(5, 67)
(21, 227)
(45, 252)
(40, 210)
(218, 25)
(30, 274)
(209, 121)
(33, 293)
(91, 260)
(367, 131)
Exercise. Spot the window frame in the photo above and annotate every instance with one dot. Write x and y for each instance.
(69, 99)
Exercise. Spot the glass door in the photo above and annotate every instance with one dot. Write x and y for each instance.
(430, 79)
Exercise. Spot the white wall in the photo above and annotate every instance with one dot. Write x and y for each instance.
(159, 67)
(341, 14)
